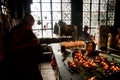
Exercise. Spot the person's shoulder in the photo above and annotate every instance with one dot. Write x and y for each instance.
(15, 29)
(17, 26)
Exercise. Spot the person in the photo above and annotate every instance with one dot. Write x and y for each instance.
(114, 39)
(23, 49)
(56, 29)
(117, 38)
(85, 35)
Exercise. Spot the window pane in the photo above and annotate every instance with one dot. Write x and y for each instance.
(86, 21)
(111, 8)
(110, 22)
(94, 32)
(36, 26)
(86, 15)
(95, 1)
(35, 7)
(86, 1)
(66, 15)
(66, 7)
(112, 2)
(94, 23)
(57, 16)
(46, 7)
(94, 15)
(103, 1)
(36, 0)
(45, 0)
(56, 0)
(102, 21)
(47, 33)
(66, 0)
(111, 16)
(103, 8)
(86, 7)
(94, 7)
(46, 15)
(46, 24)
(67, 22)
(36, 15)
(56, 7)
(38, 33)
(103, 16)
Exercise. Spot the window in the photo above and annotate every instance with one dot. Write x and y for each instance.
(49, 12)
(97, 13)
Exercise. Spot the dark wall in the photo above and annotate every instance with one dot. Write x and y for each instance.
(18, 8)
(77, 14)
(117, 14)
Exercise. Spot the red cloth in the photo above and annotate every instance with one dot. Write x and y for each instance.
(53, 64)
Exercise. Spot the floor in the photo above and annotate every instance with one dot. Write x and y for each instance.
(47, 71)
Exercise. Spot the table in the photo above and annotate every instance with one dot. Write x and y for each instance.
(61, 71)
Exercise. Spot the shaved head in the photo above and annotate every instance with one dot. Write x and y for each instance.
(28, 18)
